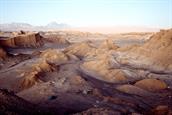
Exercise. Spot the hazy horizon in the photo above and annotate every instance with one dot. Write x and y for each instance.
(80, 13)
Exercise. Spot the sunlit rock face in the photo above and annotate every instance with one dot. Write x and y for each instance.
(28, 40)
(101, 69)
(154, 54)
(25, 40)
(80, 50)
(151, 84)
(152, 59)
(54, 56)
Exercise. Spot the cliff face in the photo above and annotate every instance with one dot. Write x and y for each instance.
(2, 53)
(28, 40)
(7, 42)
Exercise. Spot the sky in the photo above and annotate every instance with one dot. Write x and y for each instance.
(148, 13)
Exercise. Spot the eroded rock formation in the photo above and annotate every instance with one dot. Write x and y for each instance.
(87, 78)
(31, 40)
(151, 60)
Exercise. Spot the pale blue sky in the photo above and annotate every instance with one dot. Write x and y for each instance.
(150, 13)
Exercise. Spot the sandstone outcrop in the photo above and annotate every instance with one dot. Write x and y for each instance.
(100, 69)
(80, 49)
(155, 55)
(151, 84)
(131, 89)
(152, 59)
(25, 40)
(108, 44)
(26, 74)
(54, 56)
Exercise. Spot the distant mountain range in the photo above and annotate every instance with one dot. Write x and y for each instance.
(29, 27)
(55, 25)
(62, 26)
